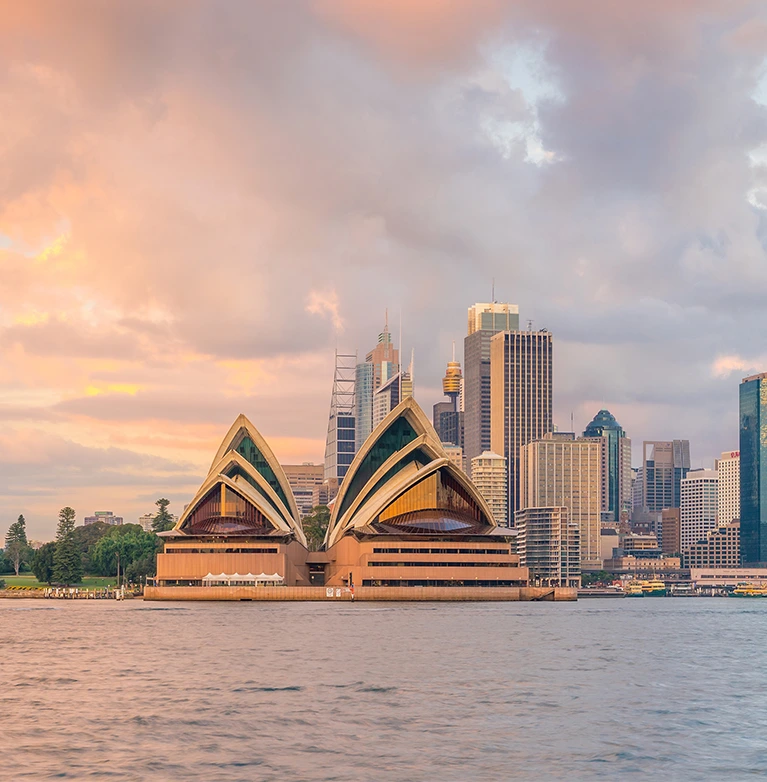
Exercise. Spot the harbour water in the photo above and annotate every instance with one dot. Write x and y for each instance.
(610, 689)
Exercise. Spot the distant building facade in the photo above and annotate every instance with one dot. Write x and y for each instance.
(664, 464)
(548, 545)
(719, 549)
(671, 531)
(521, 397)
(699, 506)
(559, 470)
(341, 437)
(303, 478)
(616, 463)
(103, 515)
(485, 320)
(490, 475)
(728, 467)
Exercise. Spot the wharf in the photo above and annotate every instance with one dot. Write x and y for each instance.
(343, 594)
(585, 592)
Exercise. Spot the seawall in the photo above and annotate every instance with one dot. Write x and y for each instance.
(395, 594)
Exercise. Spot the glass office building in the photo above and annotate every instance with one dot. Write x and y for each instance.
(753, 470)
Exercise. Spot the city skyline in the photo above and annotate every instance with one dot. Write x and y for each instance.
(194, 216)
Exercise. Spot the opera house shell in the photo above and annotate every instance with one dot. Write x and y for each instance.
(243, 520)
(405, 516)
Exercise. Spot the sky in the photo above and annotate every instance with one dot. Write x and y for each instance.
(201, 201)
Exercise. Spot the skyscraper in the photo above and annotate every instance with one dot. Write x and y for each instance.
(521, 397)
(616, 468)
(340, 442)
(381, 365)
(485, 320)
(728, 466)
(447, 418)
(664, 464)
(560, 470)
(753, 470)
(698, 508)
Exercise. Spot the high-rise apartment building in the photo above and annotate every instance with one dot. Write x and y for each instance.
(616, 463)
(664, 464)
(340, 441)
(728, 467)
(559, 470)
(548, 544)
(753, 470)
(485, 320)
(303, 478)
(699, 506)
(490, 475)
(521, 397)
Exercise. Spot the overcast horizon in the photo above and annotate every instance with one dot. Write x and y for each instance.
(200, 201)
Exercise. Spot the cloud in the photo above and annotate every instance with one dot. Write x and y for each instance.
(196, 197)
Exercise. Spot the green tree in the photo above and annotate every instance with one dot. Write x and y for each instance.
(316, 525)
(16, 544)
(42, 563)
(163, 520)
(67, 563)
(86, 538)
(133, 545)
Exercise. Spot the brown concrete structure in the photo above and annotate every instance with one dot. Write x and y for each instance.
(342, 594)
(671, 531)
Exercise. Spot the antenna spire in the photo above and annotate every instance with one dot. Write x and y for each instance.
(453, 351)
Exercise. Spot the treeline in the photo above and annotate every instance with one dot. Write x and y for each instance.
(97, 549)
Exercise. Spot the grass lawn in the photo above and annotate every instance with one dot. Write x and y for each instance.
(89, 582)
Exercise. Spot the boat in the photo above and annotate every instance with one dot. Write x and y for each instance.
(633, 589)
(653, 588)
(749, 590)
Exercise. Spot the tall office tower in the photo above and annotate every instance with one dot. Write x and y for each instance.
(548, 544)
(753, 470)
(381, 365)
(339, 445)
(521, 398)
(559, 470)
(363, 402)
(386, 398)
(485, 320)
(616, 467)
(491, 476)
(728, 467)
(447, 418)
(699, 506)
(668, 462)
(303, 478)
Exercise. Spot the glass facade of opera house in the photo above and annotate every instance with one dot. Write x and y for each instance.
(404, 516)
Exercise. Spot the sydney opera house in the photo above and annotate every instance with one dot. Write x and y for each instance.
(405, 516)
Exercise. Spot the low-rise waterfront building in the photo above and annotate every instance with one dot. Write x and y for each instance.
(727, 577)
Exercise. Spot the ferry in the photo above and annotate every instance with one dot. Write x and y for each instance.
(652, 588)
(749, 590)
(633, 589)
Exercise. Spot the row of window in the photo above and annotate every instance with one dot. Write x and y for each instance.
(440, 550)
(221, 550)
(438, 583)
(439, 564)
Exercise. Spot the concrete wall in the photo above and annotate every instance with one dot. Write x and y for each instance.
(329, 594)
